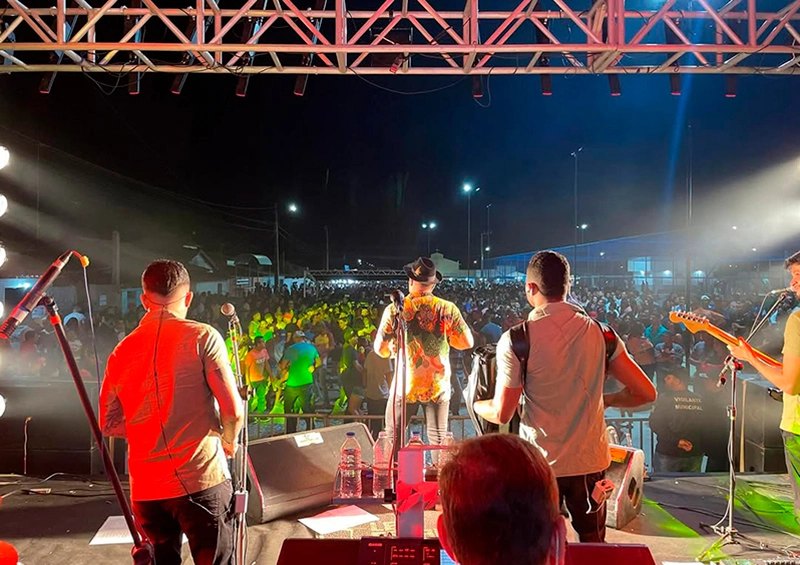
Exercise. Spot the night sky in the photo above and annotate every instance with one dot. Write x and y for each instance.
(207, 144)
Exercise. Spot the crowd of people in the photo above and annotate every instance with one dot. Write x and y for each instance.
(312, 351)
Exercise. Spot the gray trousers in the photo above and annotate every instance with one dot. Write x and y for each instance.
(436, 417)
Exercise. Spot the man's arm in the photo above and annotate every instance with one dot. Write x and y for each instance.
(508, 388)
(385, 335)
(638, 391)
(460, 336)
(785, 377)
(283, 371)
(112, 417)
(220, 379)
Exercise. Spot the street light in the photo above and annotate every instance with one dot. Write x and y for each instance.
(429, 227)
(575, 215)
(468, 189)
(292, 208)
(5, 156)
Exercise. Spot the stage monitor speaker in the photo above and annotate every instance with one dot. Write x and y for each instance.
(760, 426)
(351, 552)
(293, 473)
(627, 474)
(45, 423)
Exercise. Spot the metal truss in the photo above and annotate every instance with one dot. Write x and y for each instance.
(404, 37)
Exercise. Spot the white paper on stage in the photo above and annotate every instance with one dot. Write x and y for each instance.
(338, 519)
(114, 531)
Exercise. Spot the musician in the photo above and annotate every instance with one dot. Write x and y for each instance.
(433, 326)
(564, 402)
(786, 378)
(159, 393)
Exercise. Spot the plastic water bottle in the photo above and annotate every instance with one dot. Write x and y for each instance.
(381, 471)
(350, 467)
(449, 442)
(416, 439)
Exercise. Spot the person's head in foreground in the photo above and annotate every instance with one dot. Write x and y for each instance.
(500, 505)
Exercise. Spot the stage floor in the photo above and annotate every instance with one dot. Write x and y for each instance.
(55, 529)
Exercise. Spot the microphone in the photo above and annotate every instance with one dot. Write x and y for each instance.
(31, 300)
(723, 379)
(228, 310)
(397, 297)
(781, 290)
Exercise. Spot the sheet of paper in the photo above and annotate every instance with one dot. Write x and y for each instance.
(114, 531)
(341, 518)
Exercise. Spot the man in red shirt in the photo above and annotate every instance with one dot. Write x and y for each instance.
(159, 392)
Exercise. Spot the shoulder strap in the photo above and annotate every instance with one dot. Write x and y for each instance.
(610, 338)
(520, 346)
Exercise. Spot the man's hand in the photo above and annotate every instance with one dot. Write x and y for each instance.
(685, 444)
(229, 448)
(743, 351)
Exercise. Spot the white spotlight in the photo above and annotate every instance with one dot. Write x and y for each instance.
(5, 156)
(3, 256)
(3, 204)
(2, 405)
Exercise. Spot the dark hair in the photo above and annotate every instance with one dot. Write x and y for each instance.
(163, 277)
(678, 372)
(792, 260)
(258, 338)
(550, 271)
(499, 502)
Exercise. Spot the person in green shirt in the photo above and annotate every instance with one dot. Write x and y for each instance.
(787, 378)
(297, 370)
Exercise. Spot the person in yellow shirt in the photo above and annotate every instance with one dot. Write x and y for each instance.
(258, 375)
(786, 378)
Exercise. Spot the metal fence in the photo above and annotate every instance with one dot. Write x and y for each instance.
(632, 431)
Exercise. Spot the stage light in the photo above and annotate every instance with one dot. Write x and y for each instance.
(667, 272)
(477, 87)
(675, 84)
(424, 226)
(3, 256)
(734, 227)
(467, 188)
(602, 254)
(433, 225)
(730, 86)
(488, 249)
(293, 208)
(3, 204)
(614, 85)
(754, 249)
(547, 85)
(5, 156)
(2, 405)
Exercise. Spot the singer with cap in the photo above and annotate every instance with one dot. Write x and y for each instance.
(786, 378)
(160, 389)
(433, 326)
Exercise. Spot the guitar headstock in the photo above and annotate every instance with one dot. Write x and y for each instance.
(693, 322)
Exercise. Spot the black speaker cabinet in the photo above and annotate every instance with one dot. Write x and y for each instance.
(46, 420)
(294, 473)
(759, 423)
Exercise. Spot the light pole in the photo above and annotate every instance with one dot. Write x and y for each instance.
(292, 208)
(468, 189)
(429, 227)
(575, 217)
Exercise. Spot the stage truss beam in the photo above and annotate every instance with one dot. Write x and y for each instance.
(600, 37)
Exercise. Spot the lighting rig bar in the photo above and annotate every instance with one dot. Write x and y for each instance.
(547, 37)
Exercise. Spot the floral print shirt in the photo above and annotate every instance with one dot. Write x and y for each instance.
(433, 326)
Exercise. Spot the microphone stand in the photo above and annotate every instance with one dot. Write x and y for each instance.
(142, 552)
(240, 459)
(728, 534)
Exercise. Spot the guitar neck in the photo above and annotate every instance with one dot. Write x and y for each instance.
(728, 339)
